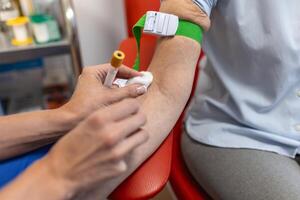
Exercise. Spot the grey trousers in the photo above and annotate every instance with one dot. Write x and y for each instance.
(241, 174)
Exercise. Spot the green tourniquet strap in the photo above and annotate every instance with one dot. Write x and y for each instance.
(191, 30)
(185, 28)
(137, 32)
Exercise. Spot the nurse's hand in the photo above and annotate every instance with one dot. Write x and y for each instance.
(90, 93)
(96, 149)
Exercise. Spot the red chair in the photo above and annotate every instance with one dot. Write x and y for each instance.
(151, 177)
(183, 184)
(135, 9)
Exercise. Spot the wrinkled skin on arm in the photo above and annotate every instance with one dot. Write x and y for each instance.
(186, 9)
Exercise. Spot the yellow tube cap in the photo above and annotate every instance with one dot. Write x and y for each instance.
(117, 59)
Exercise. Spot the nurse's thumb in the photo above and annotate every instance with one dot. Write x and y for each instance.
(130, 91)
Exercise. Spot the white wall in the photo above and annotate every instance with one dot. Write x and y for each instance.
(101, 27)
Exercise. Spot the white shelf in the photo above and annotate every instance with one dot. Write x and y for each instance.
(14, 54)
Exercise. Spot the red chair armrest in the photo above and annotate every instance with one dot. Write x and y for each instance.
(151, 177)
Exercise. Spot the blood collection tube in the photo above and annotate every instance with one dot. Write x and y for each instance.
(116, 62)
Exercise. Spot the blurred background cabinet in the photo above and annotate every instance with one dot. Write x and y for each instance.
(34, 76)
(40, 73)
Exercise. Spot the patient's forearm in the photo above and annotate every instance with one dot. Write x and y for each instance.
(21, 133)
(173, 67)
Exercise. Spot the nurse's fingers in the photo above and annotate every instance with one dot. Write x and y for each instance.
(127, 73)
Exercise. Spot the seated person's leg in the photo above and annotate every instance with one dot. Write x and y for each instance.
(234, 174)
(9, 169)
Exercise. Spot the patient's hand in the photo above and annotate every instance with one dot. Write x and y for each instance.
(186, 9)
(90, 93)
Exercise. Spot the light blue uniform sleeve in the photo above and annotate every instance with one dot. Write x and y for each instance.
(206, 5)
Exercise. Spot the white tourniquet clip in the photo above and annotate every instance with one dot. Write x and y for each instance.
(162, 24)
(146, 80)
